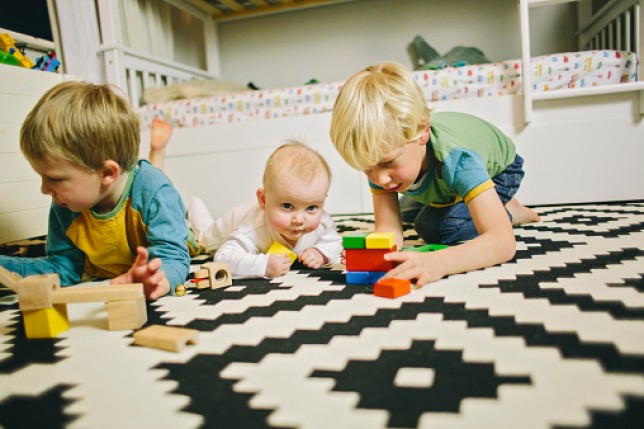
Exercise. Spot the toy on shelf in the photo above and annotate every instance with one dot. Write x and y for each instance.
(170, 338)
(213, 275)
(7, 44)
(47, 62)
(7, 58)
(43, 303)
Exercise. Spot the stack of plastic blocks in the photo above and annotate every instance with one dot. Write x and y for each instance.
(364, 256)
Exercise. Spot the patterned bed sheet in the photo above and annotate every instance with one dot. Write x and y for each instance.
(548, 73)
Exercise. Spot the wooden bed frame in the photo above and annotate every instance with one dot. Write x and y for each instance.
(582, 145)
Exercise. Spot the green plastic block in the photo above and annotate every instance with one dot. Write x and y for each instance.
(426, 248)
(354, 240)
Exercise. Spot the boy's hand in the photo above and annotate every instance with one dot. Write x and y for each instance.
(278, 265)
(423, 267)
(155, 284)
(312, 258)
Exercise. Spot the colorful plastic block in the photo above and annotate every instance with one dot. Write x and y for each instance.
(380, 240)
(46, 322)
(367, 260)
(374, 276)
(425, 248)
(354, 240)
(278, 248)
(392, 288)
(358, 278)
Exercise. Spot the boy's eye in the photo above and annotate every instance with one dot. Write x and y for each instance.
(287, 206)
(311, 209)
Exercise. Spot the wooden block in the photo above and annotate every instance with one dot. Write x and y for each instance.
(380, 240)
(35, 292)
(169, 338)
(278, 248)
(392, 288)
(354, 240)
(46, 322)
(108, 293)
(201, 274)
(367, 260)
(125, 315)
(201, 279)
(9, 278)
(219, 274)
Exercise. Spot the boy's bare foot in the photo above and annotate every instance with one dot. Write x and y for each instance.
(161, 132)
(520, 213)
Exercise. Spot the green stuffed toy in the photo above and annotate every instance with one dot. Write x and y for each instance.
(429, 59)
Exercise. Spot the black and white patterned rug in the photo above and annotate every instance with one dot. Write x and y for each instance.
(552, 339)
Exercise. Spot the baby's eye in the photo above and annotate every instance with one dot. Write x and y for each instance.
(287, 206)
(311, 209)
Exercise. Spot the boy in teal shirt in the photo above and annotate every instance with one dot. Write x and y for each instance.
(111, 216)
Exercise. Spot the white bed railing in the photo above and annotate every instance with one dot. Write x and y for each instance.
(615, 26)
(134, 72)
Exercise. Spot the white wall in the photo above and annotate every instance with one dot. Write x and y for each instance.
(330, 43)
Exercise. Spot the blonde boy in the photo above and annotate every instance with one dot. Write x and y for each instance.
(461, 168)
(289, 209)
(109, 214)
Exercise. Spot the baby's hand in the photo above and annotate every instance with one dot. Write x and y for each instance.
(278, 265)
(155, 284)
(312, 258)
(424, 267)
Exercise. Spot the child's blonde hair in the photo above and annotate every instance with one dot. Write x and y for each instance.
(83, 123)
(298, 159)
(378, 109)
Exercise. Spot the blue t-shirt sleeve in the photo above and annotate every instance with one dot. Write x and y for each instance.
(463, 170)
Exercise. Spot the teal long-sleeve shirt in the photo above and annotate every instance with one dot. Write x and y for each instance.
(87, 245)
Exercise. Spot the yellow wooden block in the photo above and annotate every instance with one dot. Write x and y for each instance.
(278, 248)
(46, 322)
(380, 240)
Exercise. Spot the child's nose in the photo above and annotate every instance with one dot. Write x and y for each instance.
(298, 219)
(44, 189)
(382, 178)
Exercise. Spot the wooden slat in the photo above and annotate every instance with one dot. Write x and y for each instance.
(68, 295)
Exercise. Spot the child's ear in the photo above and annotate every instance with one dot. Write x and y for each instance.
(425, 138)
(110, 172)
(261, 198)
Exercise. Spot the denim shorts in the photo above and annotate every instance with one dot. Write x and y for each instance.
(449, 225)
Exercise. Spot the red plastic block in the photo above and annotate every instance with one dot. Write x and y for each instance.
(392, 288)
(367, 260)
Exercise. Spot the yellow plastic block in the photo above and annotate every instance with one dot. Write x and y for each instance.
(380, 240)
(46, 322)
(278, 248)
